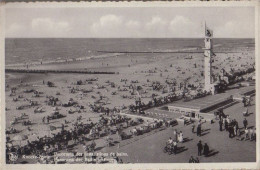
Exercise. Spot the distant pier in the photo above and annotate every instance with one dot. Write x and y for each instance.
(158, 52)
(56, 71)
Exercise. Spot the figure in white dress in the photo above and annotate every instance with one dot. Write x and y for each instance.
(180, 137)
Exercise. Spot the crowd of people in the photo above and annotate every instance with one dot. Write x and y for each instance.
(115, 124)
(233, 128)
(81, 134)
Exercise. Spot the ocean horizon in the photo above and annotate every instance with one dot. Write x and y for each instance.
(20, 50)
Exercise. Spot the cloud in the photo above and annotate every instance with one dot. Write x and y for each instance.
(156, 27)
(133, 24)
(156, 23)
(107, 24)
(48, 26)
(115, 26)
(181, 25)
(134, 28)
(109, 20)
(129, 22)
(235, 29)
(15, 30)
(180, 20)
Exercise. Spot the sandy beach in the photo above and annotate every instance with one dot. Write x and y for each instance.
(136, 75)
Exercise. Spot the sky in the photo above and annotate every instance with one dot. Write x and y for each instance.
(129, 22)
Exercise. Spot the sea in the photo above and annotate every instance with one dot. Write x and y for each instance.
(22, 50)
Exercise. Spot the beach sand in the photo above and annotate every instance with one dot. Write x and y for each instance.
(145, 68)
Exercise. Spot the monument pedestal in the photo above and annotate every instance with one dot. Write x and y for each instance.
(211, 88)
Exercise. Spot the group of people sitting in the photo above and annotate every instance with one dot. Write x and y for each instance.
(78, 134)
(171, 144)
(194, 160)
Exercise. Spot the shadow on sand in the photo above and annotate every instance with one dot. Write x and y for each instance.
(205, 130)
(203, 134)
(186, 140)
(247, 115)
(212, 153)
(181, 149)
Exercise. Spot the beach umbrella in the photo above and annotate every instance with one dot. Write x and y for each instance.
(20, 138)
(9, 145)
(33, 137)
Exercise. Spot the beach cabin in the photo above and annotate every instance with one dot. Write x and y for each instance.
(191, 112)
(186, 111)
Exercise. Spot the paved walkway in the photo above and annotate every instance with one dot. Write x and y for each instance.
(224, 149)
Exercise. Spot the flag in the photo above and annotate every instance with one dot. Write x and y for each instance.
(208, 32)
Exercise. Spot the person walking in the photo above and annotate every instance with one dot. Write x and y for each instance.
(245, 123)
(244, 101)
(219, 115)
(199, 130)
(175, 135)
(236, 124)
(250, 133)
(174, 147)
(226, 125)
(220, 125)
(43, 119)
(238, 132)
(235, 130)
(180, 137)
(193, 128)
(206, 149)
(254, 134)
(48, 119)
(230, 131)
(228, 119)
(223, 121)
(200, 147)
(62, 127)
(246, 134)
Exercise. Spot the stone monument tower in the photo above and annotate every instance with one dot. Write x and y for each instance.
(208, 54)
